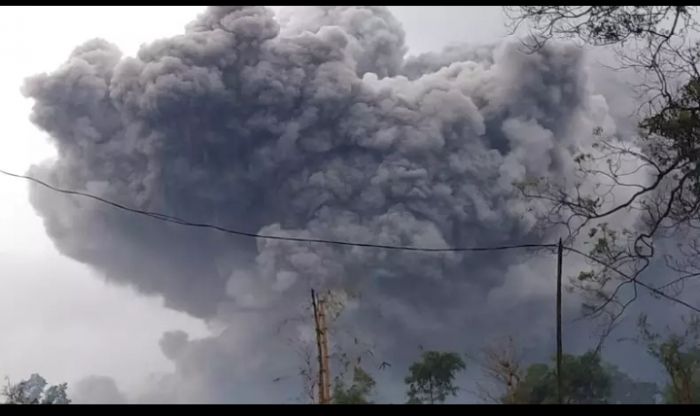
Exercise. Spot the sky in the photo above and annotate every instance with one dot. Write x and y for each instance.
(58, 317)
(49, 302)
(87, 292)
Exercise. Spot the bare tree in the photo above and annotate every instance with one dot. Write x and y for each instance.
(308, 373)
(656, 176)
(657, 40)
(348, 351)
(502, 366)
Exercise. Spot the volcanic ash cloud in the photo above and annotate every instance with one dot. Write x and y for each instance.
(311, 125)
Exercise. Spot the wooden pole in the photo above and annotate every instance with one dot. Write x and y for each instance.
(319, 344)
(559, 343)
(325, 355)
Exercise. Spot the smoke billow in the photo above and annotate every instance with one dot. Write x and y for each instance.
(96, 390)
(314, 124)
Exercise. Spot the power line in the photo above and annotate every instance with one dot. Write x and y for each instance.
(183, 222)
(634, 279)
(180, 221)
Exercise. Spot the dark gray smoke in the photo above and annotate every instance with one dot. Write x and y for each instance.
(313, 125)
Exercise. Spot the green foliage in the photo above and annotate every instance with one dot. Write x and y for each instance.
(680, 356)
(679, 123)
(34, 391)
(431, 380)
(536, 387)
(584, 380)
(358, 392)
(627, 391)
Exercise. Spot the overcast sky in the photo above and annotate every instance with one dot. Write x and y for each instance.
(58, 317)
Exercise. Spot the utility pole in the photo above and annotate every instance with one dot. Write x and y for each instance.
(324, 343)
(560, 251)
(324, 394)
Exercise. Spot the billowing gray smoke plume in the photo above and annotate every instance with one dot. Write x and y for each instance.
(311, 125)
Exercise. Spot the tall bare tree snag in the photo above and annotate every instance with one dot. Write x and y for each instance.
(501, 364)
(324, 385)
(326, 380)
